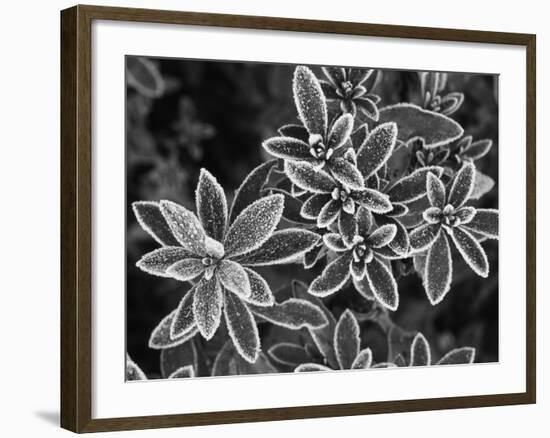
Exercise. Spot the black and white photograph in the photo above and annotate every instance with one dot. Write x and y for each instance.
(287, 218)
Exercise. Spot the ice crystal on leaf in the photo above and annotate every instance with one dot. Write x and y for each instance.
(360, 194)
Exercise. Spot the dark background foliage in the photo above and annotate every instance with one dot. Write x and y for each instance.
(215, 115)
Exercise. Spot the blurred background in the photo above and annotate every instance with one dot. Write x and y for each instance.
(182, 115)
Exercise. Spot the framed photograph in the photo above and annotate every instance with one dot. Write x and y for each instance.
(268, 219)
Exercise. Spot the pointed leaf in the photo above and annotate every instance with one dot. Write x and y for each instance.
(368, 107)
(186, 269)
(477, 149)
(420, 351)
(424, 236)
(311, 367)
(288, 148)
(211, 205)
(463, 185)
(346, 173)
(336, 75)
(329, 213)
(183, 372)
(413, 186)
(340, 131)
(382, 284)
(347, 225)
(293, 314)
(160, 337)
(207, 306)
(363, 360)
(251, 188)
(296, 131)
(464, 355)
(373, 200)
(150, 218)
(334, 242)
(333, 277)
(435, 190)
(183, 321)
(185, 226)
(382, 235)
(305, 176)
(377, 148)
(158, 261)
(346, 340)
(438, 269)
(310, 101)
(485, 222)
(242, 328)
(313, 205)
(254, 225)
(413, 122)
(471, 251)
(234, 278)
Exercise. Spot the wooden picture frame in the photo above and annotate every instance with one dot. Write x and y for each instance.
(76, 217)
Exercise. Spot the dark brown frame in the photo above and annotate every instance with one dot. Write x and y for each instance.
(76, 237)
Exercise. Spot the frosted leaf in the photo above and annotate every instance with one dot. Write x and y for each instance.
(288, 148)
(158, 261)
(358, 76)
(368, 107)
(471, 251)
(463, 185)
(346, 173)
(377, 148)
(334, 242)
(214, 248)
(438, 270)
(328, 213)
(362, 286)
(207, 306)
(450, 103)
(424, 236)
(310, 101)
(464, 355)
(465, 214)
(364, 221)
(242, 328)
(313, 205)
(283, 246)
(183, 372)
(399, 361)
(151, 220)
(234, 278)
(211, 205)
(292, 207)
(309, 367)
(293, 314)
(485, 222)
(483, 184)
(160, 336)
(186, 269)
(336, 75)
(400, 242)
(173, 358)
(382, 235)
(413, 186)
(340, 131)
(260, 294)
(254, 225)
(435, 190)
(251, 188)
(305, 176)
(313, 256)
(382, 284)
(295, 131)
(415, 122)
(420, 351)
(363, 360)
(347, 225)
(143, 75)
(333, 277)
(346, 340)
(477, 149)
(185, 226)
(288, 354)
(323, 337)
(133, 371)
(183, 321)
(373, 200)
